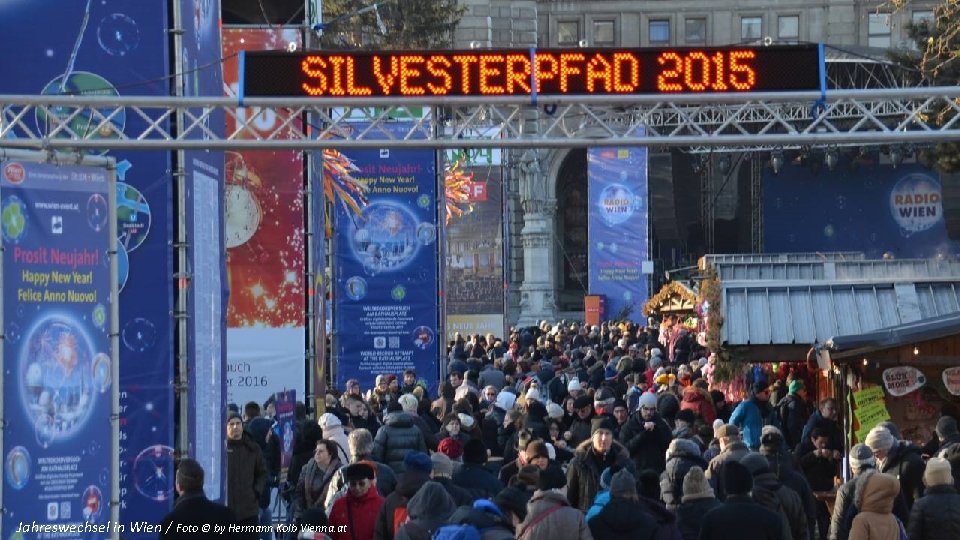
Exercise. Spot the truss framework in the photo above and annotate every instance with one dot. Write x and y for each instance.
(740, 122)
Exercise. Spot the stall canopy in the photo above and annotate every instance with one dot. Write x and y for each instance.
(855, 346)
(780, 304)
(674, 297)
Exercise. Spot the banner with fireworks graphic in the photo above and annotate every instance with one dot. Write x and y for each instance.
(385, 292)
(474, 277)
(57, 354)
(264, 237)
(618, 219)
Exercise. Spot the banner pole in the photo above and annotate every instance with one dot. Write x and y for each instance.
(114, 358)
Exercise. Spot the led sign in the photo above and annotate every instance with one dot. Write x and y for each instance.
(547, 72)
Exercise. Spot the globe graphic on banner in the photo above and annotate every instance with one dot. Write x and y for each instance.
(385, 238)
(13, 218)
(85, 123)
(915, 202)
(617, 204)
(133, 216)
(56, 376)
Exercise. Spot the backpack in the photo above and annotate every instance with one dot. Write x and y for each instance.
(457, 532)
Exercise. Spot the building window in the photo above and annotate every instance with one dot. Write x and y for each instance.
(878, 29)
(695, 30)
(568, 32)
(603, 33)
(659, 30)
(919, 17)
(751, 28)
(788, 27)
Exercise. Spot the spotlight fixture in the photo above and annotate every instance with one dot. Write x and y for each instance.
(776, 161)
(723, 164)
(831, 158)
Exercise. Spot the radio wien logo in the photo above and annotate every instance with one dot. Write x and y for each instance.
(14, 173)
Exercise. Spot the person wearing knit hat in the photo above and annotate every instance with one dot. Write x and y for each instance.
(442, 466)
(620, 413)
(554, 411)
(625, 516)
(732, 448)
(698, 499)
(948, 434)
(452, 448)
(646, 435)
(513, 501)
(418, 462)
(506, 400)
(591, 457)
(579, 429)
(532, 394)
(861, 457)
(603, 422)
(473, 475)
(880, 440)
(466, 421)
(740, 513)
(551, 477)
(935, 515)
(574, 388)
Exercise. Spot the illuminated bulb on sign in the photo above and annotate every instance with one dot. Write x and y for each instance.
(865, 362)
(916, 351)
(292, 46)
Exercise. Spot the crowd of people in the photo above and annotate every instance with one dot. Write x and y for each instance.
(574, 432)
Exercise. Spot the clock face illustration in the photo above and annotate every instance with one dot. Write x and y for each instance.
(241, 215)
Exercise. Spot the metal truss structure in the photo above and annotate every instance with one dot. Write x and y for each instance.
(736, 122)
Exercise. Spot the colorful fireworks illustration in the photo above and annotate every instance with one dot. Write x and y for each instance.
(456, 184)
(340, 185)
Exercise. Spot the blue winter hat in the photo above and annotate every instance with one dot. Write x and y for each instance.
(610, 372)
(418, 462)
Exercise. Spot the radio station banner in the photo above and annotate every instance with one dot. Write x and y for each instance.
(386, 252)
(113, 48)
(862, 205)
(207, 292)
(618, 220)
(474, 274)
(57, 354)
(265, 243)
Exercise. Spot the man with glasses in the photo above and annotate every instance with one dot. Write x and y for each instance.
(824, 419)
(353, 517)
(647, 435)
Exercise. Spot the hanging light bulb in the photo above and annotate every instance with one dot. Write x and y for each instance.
(776, 161)
(831, 158)
(916, 351)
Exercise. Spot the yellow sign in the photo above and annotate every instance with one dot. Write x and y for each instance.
(474, 324)
(868, 396)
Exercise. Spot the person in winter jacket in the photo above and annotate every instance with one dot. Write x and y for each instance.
(794, 412)
(740, 516)
(682, 454)
(936, 515)
(354, 516)
(549, 515)
(752, 414)
(900, 459)
(492, 427)
(417, 469)
(697, 500)
(646, 435)
(623, 517)
(696, 398)
(333, 431)
(246, 474)
(603, 496)
(398, 436)
(875, 521)
(311, 488)
(825, 418)
(769, 492)
(863, 465)
(781, 463)
(580, 426)
(590, 459)
(731, 449)
(485, 516)
(474, 476)
(429, 509)
(411, 405)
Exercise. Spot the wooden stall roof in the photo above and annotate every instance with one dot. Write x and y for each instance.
(674, 297)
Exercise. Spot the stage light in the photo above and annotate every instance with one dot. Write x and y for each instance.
(776, 161)
(831, 158)
(896, 156)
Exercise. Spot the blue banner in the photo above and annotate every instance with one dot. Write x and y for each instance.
(207, 291)
(859, 206)
(386, 316)
(618, 217)
(57, 354)
(283, 426)
(110, 48)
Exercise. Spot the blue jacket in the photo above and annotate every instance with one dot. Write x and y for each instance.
(748, 418)
(601, 500)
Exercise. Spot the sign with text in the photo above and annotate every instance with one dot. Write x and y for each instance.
(902, 380)
(57, 352)
(618, 221)
(951, 380)
(545, 72)
(386, 252)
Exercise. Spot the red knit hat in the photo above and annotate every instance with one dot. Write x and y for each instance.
(450, 447)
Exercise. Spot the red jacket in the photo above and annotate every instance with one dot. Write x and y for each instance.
(363, 510)
(700, 402)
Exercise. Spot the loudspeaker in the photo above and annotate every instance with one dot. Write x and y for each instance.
(950, 186)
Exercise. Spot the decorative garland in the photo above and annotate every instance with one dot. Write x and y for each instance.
(729, 363)
(673, 288)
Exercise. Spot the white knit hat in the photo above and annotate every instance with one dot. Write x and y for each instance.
(465, 420)
(533, 394)
(506, 400)
(880, 438)
(554, 411)
(574, 386)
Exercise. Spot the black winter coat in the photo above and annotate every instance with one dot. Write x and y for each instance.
(622, 518)
(769, 492)
(477, 479)
(491, 429)
(395, 439)
(741, 518)
(647, 448)
(195, 509)
(246, 477)
(936, 515)
(904, 462)
(679, 462)
(690, 515)
(583, 474)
